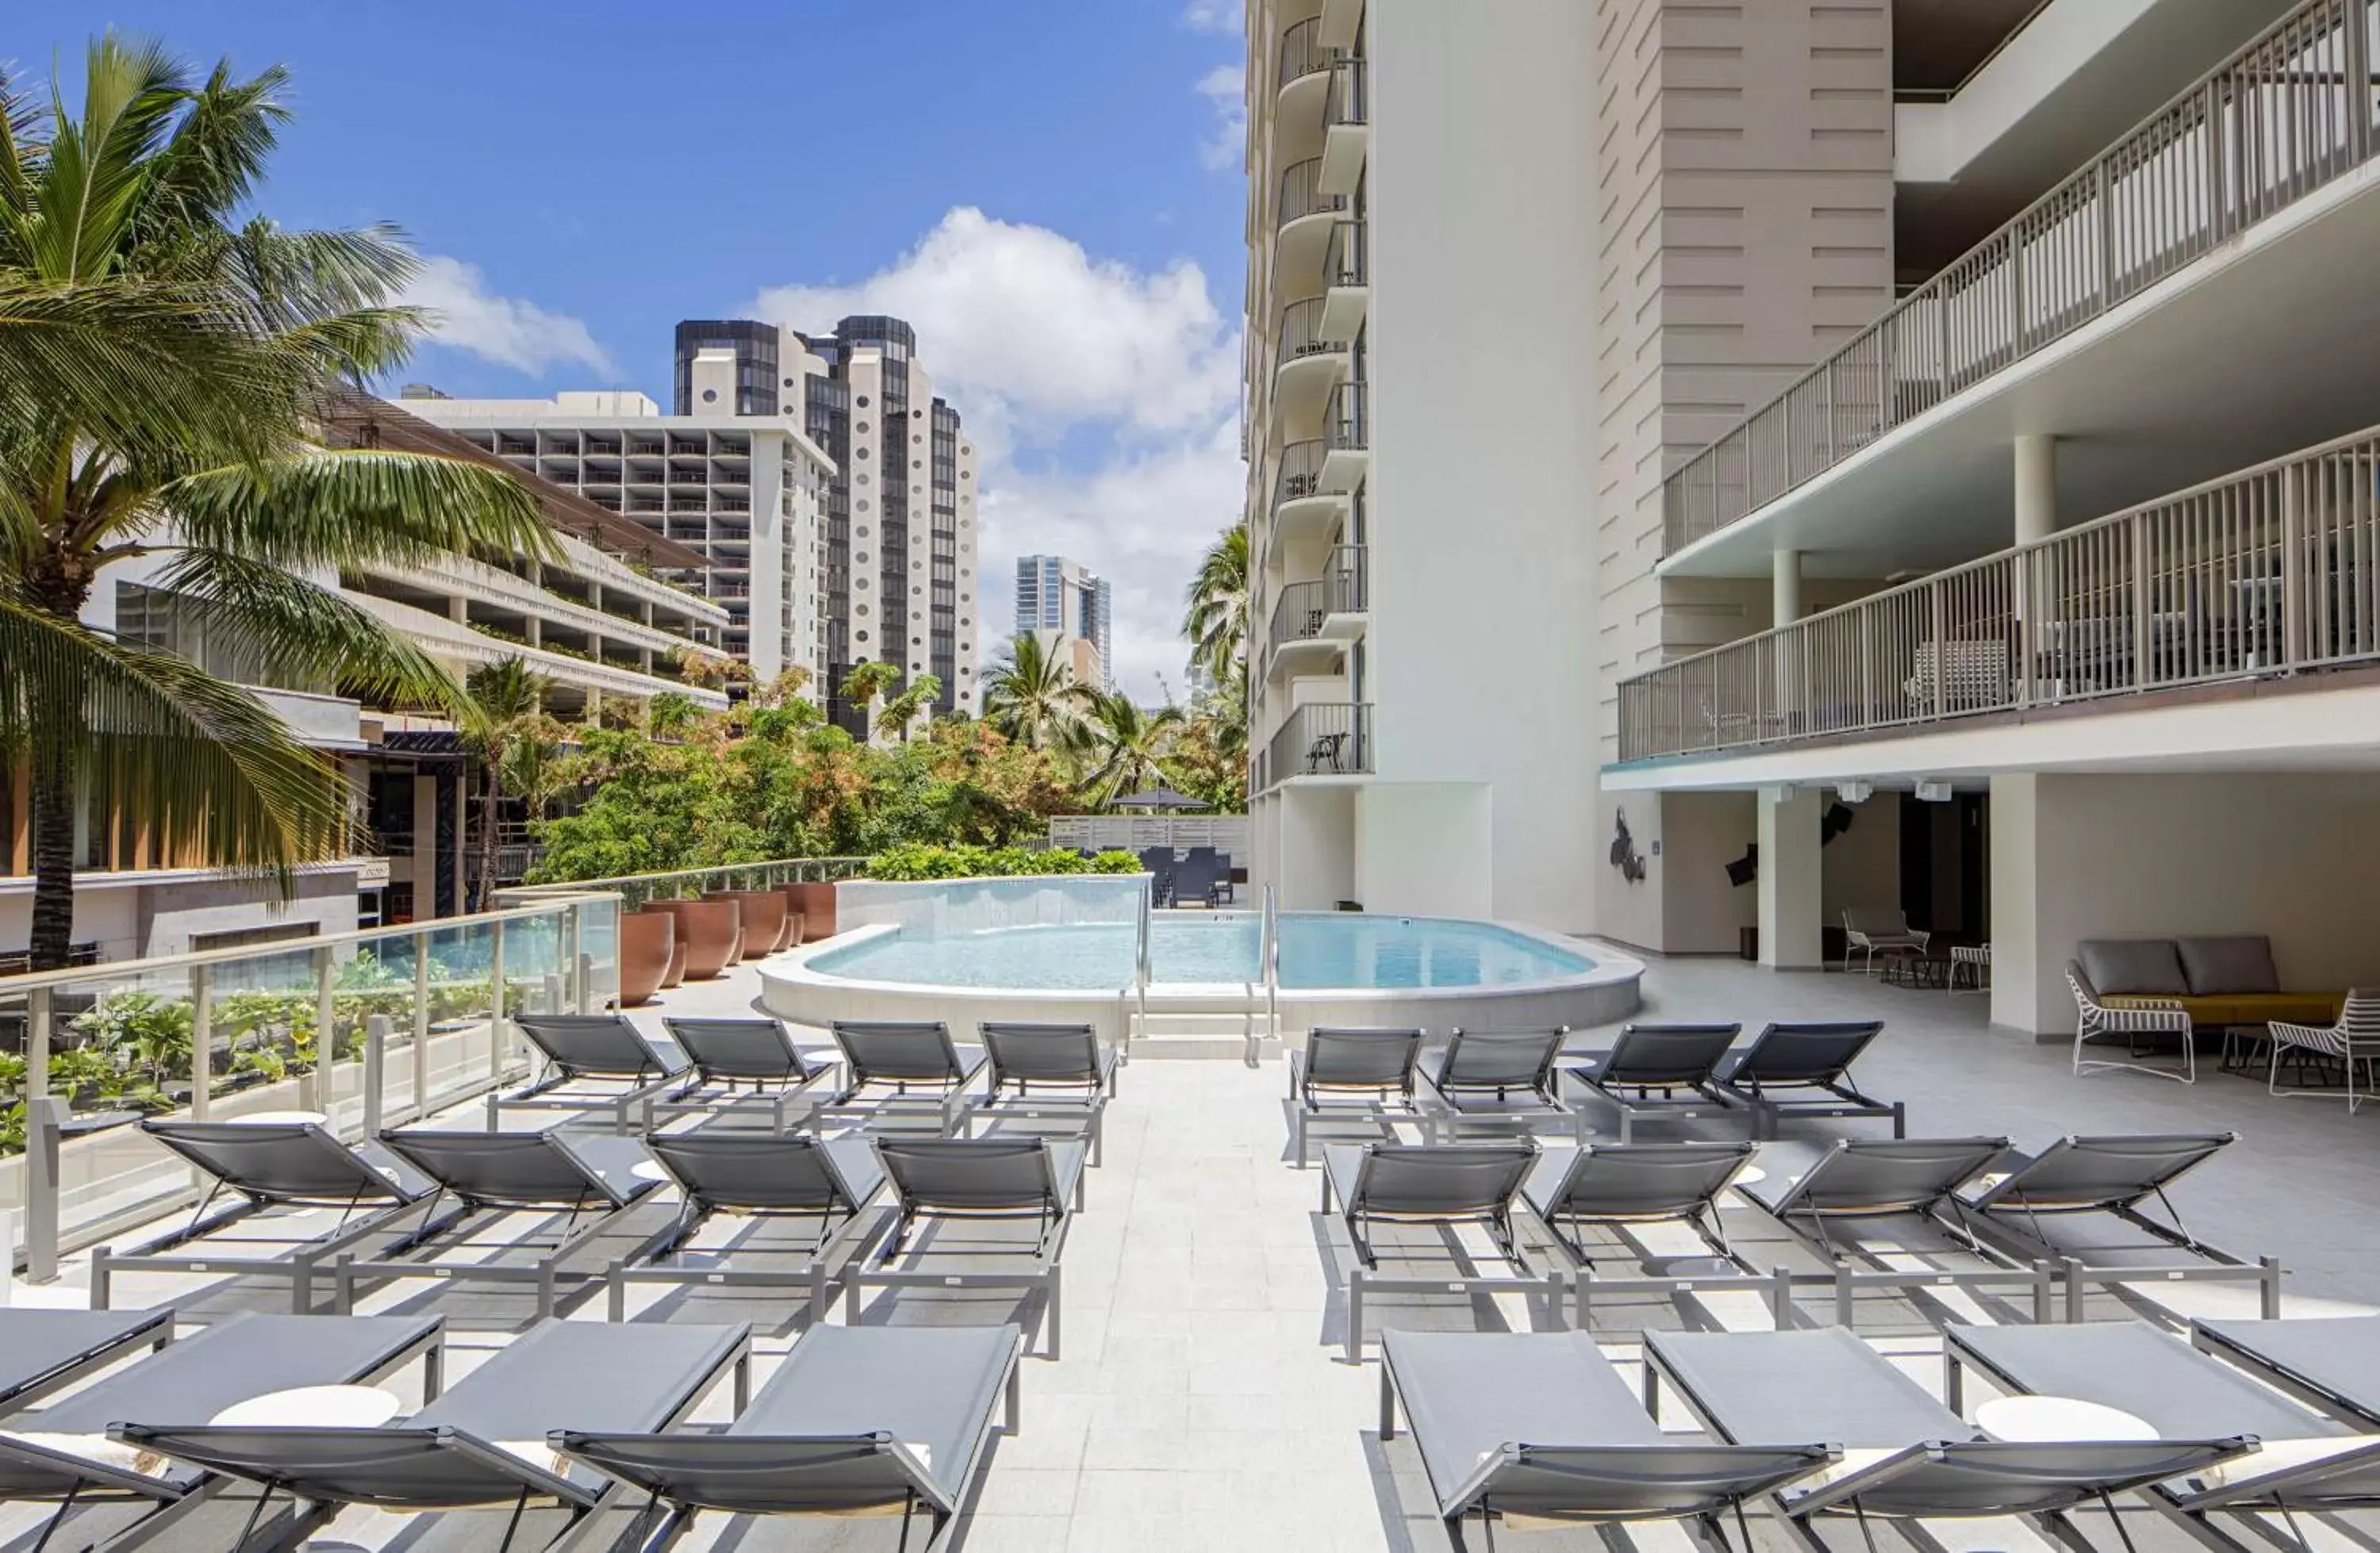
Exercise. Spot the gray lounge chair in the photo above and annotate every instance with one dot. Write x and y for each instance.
(470, 1448)
(754, 1175)
(591, 1062)
(43, 1351)
(2332, 1365)
(1626, 1184)
(1540, 1425)
(1803, 1070)
(1444, 1186)
(947, 1181)
(1496, 1081)
(242, 1357)
(1076, 1071)
(1361, 1074)
(2306, 1462)
(1906, 1456)
(857, 1419)
(1660, 1073)
(724, 1053)
(928, 1074)
(594, 1176)
(269, 1165)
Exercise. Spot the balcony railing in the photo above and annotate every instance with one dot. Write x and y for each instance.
(1323, 738)
(1346, 422)
(1302, 53)
(1301, 333)
(2269, 571)
(1350, 93)
(1300, 198)
(1301, 472)
(1304, 606)
(1346, 260)
(2284, 116)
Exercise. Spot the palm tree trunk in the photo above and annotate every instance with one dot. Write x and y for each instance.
(52, 819)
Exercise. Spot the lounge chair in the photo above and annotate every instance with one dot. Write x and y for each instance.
(1076, 1073)
(1539, 1424)
(2305, 1461)
(2129, 1017)
(2332, 1365)
(1196, 879)
(1442, 1185)
(591, 1062)
(925, 1070)
(724, 1053)
(483, 1444)
(1875, 930)
(1351, 1072)
(1496, 1080)
(1157, 863)
(857, 1419)
(1905, 1455)
(60, 1451)
(1629, 1184)
(2352, 1042)
(490, 1175)
(270, 1165)
(1678, 1063)
(944, 1182)
(753, 1175)
(1805, 1071)
(43, 1351)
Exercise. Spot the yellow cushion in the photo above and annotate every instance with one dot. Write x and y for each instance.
(2249, 1007)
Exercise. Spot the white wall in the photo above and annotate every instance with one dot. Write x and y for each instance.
(1425, 850)
(1317, 847)
(2291, 855)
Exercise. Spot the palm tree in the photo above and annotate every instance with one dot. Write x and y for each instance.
(865, 682)
(1216, 620)
(1030, 697)
(1124, 747)
(903, 711)
(195, 451)
(507, 729)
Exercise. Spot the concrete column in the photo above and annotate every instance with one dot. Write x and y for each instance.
(425, 848)
(2016, 928)
(1785, 586)
(592, 713)
(2036, 488)
(459, 611)
(1789, 879)
(534, 629)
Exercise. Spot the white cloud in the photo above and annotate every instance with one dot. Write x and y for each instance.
(505, 330)
(1102, 399)
(1225, 88)
(1214, 16)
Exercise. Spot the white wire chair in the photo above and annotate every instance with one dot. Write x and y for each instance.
(2134, 1016)
(2353, 1042)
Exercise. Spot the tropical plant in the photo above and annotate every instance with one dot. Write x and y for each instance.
(155, 1033)
(508, 733)
(1032, 696)
(914, 861)
(901, 712)
(1124, 747)
(203, 455)
(865, 682)
(1216, 618)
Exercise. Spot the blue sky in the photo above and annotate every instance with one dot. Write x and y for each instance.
(1048, 188)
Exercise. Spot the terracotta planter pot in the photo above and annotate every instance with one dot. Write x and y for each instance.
(677, 972)
(795, 925)
(647, 943)
(711, 930)
(764, 918)
(816, 903)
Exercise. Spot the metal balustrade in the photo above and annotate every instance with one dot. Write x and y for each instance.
(1300, 475)
(1322, 738)
(1301, 334)
(2272, 570)
(1345, 262)
(1304, 606)
(1346, 418)
(1301, 192)
(1302, 53)
(2278, 120)
(1350, 93)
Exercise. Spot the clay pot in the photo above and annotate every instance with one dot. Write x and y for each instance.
(677, 972)
(712, 931)
(796, 924)
(816, 903)
(647, 943)
(764, 918)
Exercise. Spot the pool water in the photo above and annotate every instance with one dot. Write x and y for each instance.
(1317, 950)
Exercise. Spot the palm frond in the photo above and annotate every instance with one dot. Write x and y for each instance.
(343, 507)
(96, 171)
(294, 630)
(217, 152)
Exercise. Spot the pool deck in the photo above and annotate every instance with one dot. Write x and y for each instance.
(1201, 1401)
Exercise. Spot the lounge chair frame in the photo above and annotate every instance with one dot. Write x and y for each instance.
(1385, 1092)
(789, 1097)
(1079, 1101)
(635, 1089)
(1588, 1283)
(1687, 1089)
(150, 1328)
(2219, 1340)
(1820, 1092)
(1444, 1089)
(942, 1098)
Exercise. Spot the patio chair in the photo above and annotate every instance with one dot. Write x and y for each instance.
(1540, 1426)
(1076, 1071)
(1805, 1071)
(724, 1053)
(60, 1453)
(927, 1072)
(490, 1176)
(483, 1444)
(1198, 879)
(591, 1062)
(2332, 1365)
(1356, 1073)
(1496, 1080)
(1906, 1456)
(1326, 751)
(1676, 1062)
(43, 1351)
(269, 1165)
(754, 1176)
(1440, 1185)
(946, 1182)
(2132, 1017)
(1624, 1185)
(1157, 863)
(2305, 1463)
(2352, 1043)
(1873, 930)
(857, 1419)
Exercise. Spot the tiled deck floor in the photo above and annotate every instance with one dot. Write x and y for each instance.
(1201, 1401)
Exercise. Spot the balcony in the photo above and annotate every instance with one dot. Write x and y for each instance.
(2263, 134)
(2266, 573)
(1346, 277)
(1302, 73)
(1302, 508)
(1301, 228)
(1305, 363)
(1313, 622)
(1346, 436)
(1322, 739)
(1347, 126)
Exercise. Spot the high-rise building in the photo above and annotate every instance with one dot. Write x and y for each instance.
(1065, 603)
(753, 347)
(1718, 469)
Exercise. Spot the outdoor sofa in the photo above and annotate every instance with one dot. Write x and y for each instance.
(2219, 982)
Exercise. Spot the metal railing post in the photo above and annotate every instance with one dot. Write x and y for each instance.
(2142, 636)
(327, 984)
(2292, 643)
(45, 1120)
(202, 1042)
(375, 1085)
(496, 1039)
(577, 960)
(1938, 627)
(42, 1014)
(2356, 67)
(420, 1024)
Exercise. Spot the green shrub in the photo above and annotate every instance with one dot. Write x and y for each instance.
(1113, 861)
(914, 861)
